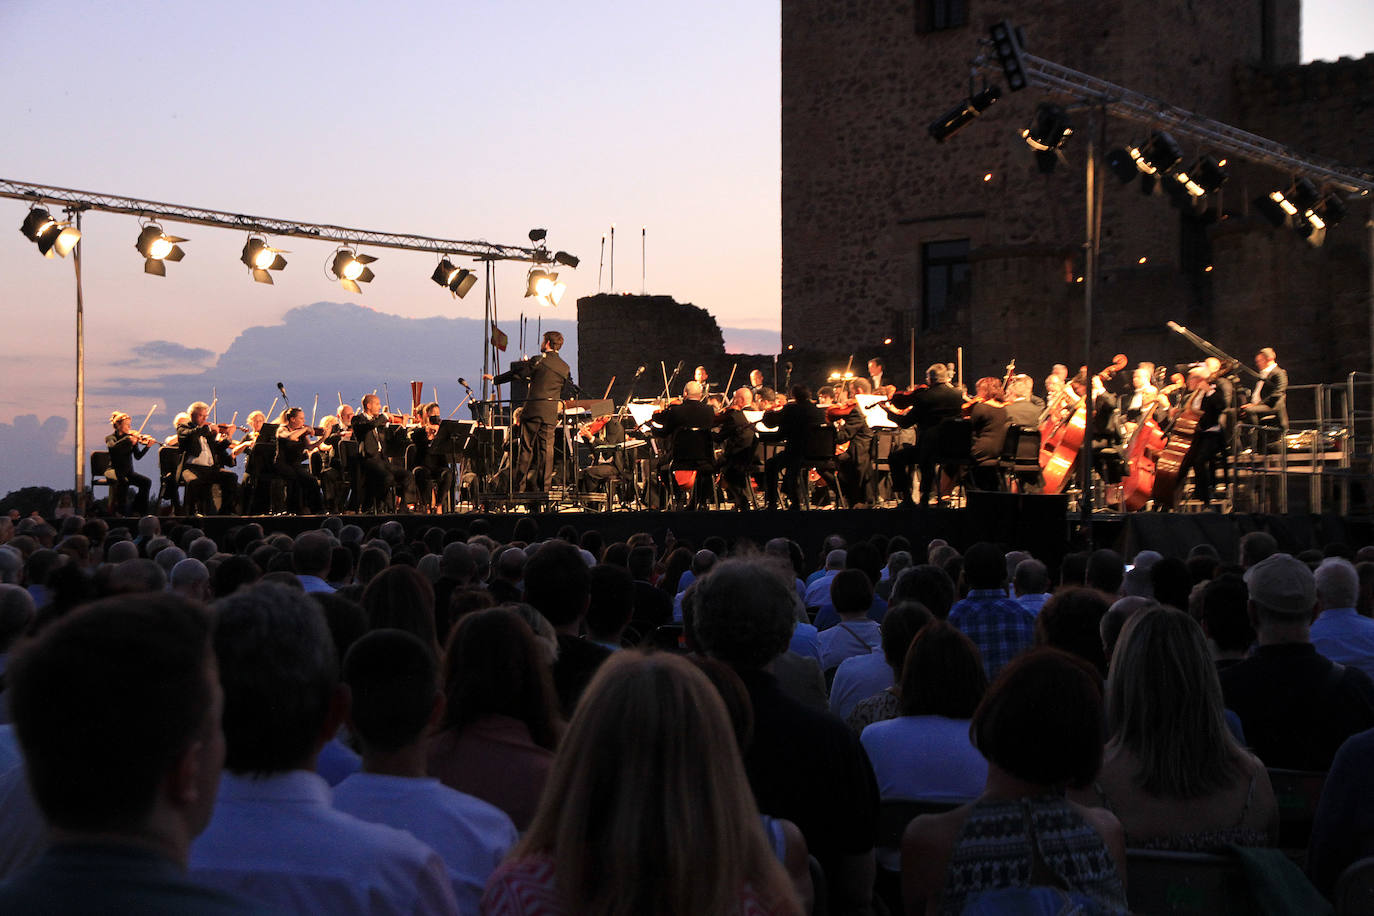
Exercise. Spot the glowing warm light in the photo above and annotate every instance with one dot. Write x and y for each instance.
(887, 341)
(1078, 279)
(1142, 260)
(352, 270)
(160, 248)
(987, 177)
(1207, 269)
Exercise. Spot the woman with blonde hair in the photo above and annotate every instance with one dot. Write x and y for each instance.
(647, 809)
(1171, 772)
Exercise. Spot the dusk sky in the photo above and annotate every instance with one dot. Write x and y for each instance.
(457, 120)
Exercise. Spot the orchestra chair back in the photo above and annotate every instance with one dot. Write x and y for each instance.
(101, 476)
(819, 456)
(168, 480)
(1020, 459)
(1355, 889)
(953, 449)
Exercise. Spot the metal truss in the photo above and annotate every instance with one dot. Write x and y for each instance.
(1124, 103)
(277, 228)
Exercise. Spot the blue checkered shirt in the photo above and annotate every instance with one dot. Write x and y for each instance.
(998, 625)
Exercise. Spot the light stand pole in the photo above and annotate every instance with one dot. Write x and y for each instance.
(1097, 136)
(79, 493)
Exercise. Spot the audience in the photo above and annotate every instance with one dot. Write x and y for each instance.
(861, 677)
(1343, 828)
(851, 595)
(1339, 632)
(998, 625)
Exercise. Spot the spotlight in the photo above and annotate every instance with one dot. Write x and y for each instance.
(157, 247)
(1122, 163)
(567, 260)
(1208, 174)
(1331, 209)
(458, 280)
(260, 258)
(544, 286)
(538, 235)
(1279, 206)
(1009, 45)
(1050, 128)
(959, 117)
(1159, 155)
(51, 237)
(352, 269)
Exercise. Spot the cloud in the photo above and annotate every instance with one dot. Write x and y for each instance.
(166, 351)
(35, 454)
(751, 340)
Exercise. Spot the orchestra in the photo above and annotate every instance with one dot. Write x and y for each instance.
(1149, 438)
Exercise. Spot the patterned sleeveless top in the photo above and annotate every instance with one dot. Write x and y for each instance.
(1028, 842)
(1200, 840)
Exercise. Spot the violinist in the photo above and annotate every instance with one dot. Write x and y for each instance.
(332, 476)
(433, 473)
(755, 383)
(1021, 409)
(854, 462)
(610, 461)
(735, 434)
(792, 420)
(928, 408)
(701, 377)
(124, 446)
(204, 452)
(262, 455)
(294, 439)
(989, 417)
(369, 427)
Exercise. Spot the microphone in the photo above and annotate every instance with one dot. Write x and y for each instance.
(282, 389)
(639, 372)
(462, 381)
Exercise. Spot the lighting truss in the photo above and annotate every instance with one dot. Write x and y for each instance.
(156, 210)
(1124, 103)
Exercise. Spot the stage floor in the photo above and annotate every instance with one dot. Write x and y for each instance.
(1038, 524)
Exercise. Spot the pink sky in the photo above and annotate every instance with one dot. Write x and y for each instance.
(472, 120)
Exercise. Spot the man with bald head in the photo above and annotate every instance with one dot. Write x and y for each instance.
(687, 427)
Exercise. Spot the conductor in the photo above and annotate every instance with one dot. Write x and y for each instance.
(546, 374)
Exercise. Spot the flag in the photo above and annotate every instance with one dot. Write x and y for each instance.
(498, 338)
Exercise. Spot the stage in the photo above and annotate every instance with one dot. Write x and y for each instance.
(1040, 524)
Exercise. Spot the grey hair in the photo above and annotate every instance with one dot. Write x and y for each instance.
(1338, 583)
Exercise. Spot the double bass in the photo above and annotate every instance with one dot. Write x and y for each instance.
(1147, 443)
(1169, 468)
(1059, 453)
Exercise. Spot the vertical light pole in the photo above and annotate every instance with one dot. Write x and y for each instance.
(79, 493)
(1097, 138)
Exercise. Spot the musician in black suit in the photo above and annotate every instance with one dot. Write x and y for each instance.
(735, 434)
(688, 453)
(856, 461)
(433, 473)
(1208, 439)
(1269, 401)
(204, 462)
(123, 447)
(932, 405)
(369, 427)
(546, 373)
(792, 420)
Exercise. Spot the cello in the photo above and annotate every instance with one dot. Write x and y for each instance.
(1064, 444)
(1147, 443)
(1170, 467)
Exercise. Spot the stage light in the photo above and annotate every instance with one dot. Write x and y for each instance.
(987, 176)
(1142, 260)
(458, 280)
(51, 236)
(261, 258)
(157, 247)
(887, 341)
(1279, 206)
(352, 269)
(961, 115)
(1050, 128)
(567, 260)
(538, 235)
(1159, 155)
(1122, 163)
(544, 286)
(1331, 209)
(1208, 174)
(1009, 45)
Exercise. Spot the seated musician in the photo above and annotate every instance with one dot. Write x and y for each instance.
(755, 384)
(1269, 401)
(610, 461)
(1021, 409)
(792, 420)
(124, 446)
(1106, 430)
(701, 377)
(254, 490)
(735, 434)
(691, 413)
(204, 456)
(293, 441)
(333, 481)
(369, 427)
(930, 406)
(989, 417)
(177, 422)
(433, 471)
(1208, 440)
(854, 463)
(1145, 401)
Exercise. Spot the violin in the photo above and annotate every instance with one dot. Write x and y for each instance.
(904, 399)
(837, 412)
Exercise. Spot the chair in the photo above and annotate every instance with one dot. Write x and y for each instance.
(819, 456)
(1355, 889)
(1020, 459)
(1297, 793)
(168, 480)
(953, 450)
(100, 463)
(693, 464)
(1186, 882)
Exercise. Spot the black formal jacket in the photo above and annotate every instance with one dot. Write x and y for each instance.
(368, 434)
(123, 451)
(792, 420)
(855, 429)
(736, 435)
(546, 374)
(193, 439)
(1274, 394)
(936, 404)
(688, 414)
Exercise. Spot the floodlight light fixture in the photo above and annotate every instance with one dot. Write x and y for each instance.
(1050, 128)
(538, 235)
(261, 258)
(458, 280)
(567, 260)
(961, 115)
(543, 285)
(1009, 44)
(53, 237)
(157, 247)
(351, 269)
(1160, 154)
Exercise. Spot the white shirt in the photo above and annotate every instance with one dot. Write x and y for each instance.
(278, 840)
(1264, 374)
(471, 835)
(859, 678)
(818, 592)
